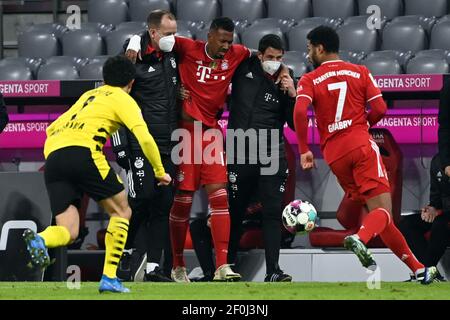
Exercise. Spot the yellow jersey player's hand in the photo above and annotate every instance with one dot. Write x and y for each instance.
(165, 180)
(307, 160)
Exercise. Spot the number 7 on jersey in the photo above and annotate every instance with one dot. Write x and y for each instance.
(342, 87)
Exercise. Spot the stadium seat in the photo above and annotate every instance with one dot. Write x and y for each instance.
(427, 65)
(75, 61)
(101, 59)
(334, 8)
(244, 10)
(362, 20)
(355, 36)
(295, 61)
(135, 25)
(56, 28)
(32, 63)
(97, 27)
(350, 56)
(253, 34)
(300, 56)
(404, 36)
(116, 39)
(82, 43)
(401, 57)
(351, 213)
(296, 36)
(389, 8)
(197, 10)
(289, 9)
(382, 65)
(190, 27)
(140, 9)
(58, 71)
(427, 23)
(38, 44)
(185, 33)
(435, 53)
(429, 8)
(440, 36)
(284, 25)
(14, 72)
(107, 11)
(92, 71)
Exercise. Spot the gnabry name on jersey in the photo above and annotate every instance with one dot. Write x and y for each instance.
(339, 125)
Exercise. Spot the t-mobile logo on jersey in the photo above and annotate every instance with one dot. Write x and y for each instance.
(205, 73)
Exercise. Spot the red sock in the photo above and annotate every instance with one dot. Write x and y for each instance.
(178, 225)
(373, 224)
(220, 224)
(395, 241)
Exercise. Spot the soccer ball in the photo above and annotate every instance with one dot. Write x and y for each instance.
(299, 217)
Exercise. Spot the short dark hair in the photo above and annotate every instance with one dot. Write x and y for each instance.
(222, 23)
(325, 36)
(155, 17)
(118, 71)
(270, 40)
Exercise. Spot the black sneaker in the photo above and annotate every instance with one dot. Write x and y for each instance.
(157, 275)
(206, 278)
(278, 276)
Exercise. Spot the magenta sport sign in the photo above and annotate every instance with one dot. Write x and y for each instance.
(30, 89)
(409, 125)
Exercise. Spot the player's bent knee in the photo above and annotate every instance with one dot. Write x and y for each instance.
(125, 213)
(73, 233)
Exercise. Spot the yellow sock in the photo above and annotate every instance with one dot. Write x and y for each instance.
(115, 239)
(56, 236)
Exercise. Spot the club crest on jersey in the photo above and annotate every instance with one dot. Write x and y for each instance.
(173, 63)
(139, 163)
(224, 65)
(232, 177)
(180, 176)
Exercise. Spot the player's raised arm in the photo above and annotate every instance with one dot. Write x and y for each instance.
(151, 151)
(130, 115)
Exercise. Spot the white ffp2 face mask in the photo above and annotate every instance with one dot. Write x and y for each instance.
(166, 43)
(271, 67)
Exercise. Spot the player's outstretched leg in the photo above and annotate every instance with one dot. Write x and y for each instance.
(353, 243)
(37, 249)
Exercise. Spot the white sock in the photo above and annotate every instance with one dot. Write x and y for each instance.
(151, 266)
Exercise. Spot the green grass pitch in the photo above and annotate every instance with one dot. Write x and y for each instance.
(228, 291)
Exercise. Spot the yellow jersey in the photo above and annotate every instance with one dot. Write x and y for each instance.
(92, 119)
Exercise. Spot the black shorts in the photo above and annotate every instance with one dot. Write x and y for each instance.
(70, 172)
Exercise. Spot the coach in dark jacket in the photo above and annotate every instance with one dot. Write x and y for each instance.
(260, 107)
(155, 90)
(435, 217)
(444, 128)
(3, 115)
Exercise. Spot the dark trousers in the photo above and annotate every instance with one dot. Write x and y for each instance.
(150, 204)
(203, 245)
(427, 252)
(244, 179)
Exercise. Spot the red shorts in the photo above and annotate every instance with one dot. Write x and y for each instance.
(202, 157)
(361, 172)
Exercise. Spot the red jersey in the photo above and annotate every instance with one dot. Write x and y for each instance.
(206, 78)
(339, 92)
